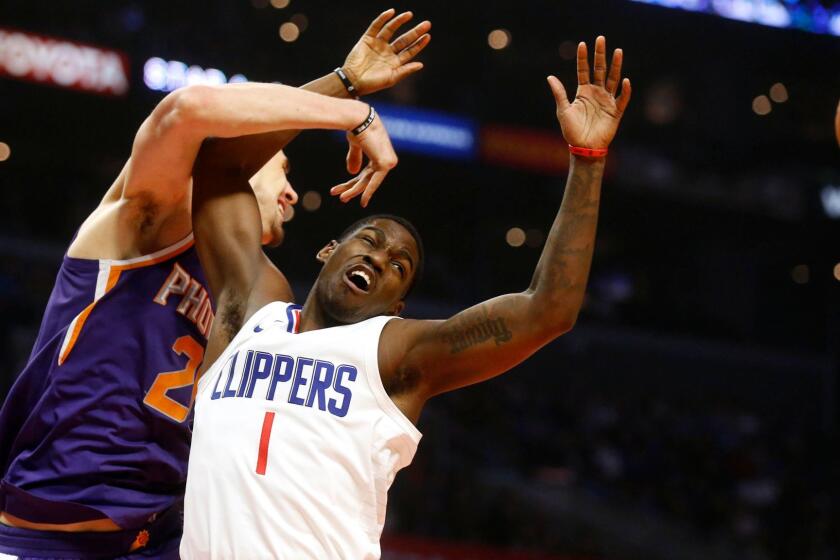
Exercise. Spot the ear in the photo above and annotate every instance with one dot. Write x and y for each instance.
(324, 254)
(397, 309)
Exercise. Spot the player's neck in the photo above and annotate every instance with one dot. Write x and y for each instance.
(313, 316)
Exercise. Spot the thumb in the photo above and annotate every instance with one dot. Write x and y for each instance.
(559, 93)
(354, 159)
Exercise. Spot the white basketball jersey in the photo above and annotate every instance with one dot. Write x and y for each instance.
(295, 444)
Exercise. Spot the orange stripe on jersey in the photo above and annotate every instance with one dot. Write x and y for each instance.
(79, 321)
(113, 276)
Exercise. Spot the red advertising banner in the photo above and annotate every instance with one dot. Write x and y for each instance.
(58, 62)
(525, 148)
(415, 548)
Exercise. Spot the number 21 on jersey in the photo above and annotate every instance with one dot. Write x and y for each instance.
(165, 381)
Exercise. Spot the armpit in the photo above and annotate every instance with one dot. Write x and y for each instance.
(230, 318)
(403, 380)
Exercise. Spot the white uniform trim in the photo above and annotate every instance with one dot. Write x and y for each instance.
(374, 379)
(105, 267)
(156, 255)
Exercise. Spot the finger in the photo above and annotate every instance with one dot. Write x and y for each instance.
(414, 49)
(600, 70)
(408, 69)
(375, 180)
(410, 36)
(354, 159)
(391, 27)
(615, 71)
(343, 187)
(582, 64)
(358, 188)
(559, 93)
(380, 20)
(623, 99)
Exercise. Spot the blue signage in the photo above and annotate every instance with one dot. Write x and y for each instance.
(429, 132)
(809, 15)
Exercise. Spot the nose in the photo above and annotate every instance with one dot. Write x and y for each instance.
(290, 194)
(376, 259)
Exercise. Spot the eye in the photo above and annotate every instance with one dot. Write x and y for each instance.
(399, 267)
(367, 240)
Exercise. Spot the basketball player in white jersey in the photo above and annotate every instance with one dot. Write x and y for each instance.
(305, 414)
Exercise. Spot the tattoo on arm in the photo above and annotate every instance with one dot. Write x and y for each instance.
(564, 264)
(473, 330)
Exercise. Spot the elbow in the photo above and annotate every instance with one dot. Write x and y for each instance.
(561, 322)
(553, 318)
(186, 109)
(566, 323)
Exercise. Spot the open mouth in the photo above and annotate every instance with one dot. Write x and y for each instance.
(360, 277)
(286, 212)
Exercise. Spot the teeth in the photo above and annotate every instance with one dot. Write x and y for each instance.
(363, 276)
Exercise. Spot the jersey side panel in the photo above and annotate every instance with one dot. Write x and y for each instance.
(112, 388)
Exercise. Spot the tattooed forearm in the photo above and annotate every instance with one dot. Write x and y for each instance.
(564, 265)
(473, 330)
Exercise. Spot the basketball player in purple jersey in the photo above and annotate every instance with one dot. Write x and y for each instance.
(352, 378)
(94, 434)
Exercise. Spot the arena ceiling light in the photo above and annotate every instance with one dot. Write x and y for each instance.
(169, 75)
(830, 196)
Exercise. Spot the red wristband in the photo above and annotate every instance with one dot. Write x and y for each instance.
(587, 152)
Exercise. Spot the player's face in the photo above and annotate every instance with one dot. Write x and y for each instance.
(368, 273)
(275, 197)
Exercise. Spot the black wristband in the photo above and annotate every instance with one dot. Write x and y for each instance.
(351, 89)
(367, 122)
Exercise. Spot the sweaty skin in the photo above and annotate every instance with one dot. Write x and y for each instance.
(419, 359)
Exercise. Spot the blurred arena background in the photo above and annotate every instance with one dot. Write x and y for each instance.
(692, 413)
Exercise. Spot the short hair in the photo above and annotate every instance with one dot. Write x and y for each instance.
(421, 253)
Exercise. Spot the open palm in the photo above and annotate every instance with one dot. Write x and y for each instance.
(592, 119)
(376, 62)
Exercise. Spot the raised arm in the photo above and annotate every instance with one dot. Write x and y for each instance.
(377, 61)
(494, 336)
(226, 218)
(249, 114)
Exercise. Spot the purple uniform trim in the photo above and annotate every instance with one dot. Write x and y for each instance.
(103, 434)
(160, 538)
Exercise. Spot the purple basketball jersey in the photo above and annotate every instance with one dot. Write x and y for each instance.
(97, 423)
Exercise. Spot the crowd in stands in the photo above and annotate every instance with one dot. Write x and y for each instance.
(762, 484)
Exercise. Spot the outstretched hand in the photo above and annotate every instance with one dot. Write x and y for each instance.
(376, 62)
(592, 119)
(374, 143)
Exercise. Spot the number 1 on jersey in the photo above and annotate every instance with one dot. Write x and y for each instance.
(262, 458)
